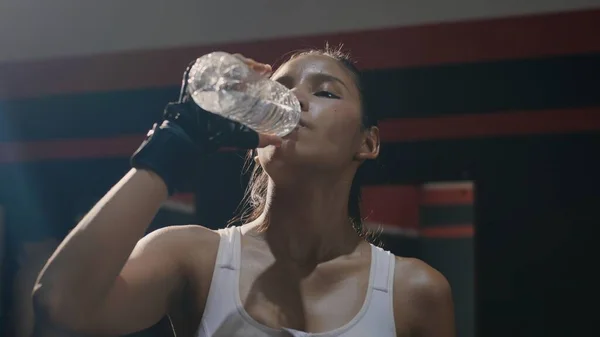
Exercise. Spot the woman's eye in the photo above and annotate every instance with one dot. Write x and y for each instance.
(326, 94)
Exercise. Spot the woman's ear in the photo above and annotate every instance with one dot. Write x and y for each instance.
(370, 145)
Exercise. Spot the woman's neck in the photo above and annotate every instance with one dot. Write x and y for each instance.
(309, 223)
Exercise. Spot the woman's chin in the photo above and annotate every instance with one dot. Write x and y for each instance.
(290, 152)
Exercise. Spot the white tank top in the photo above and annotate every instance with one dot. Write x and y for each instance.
(224, 314)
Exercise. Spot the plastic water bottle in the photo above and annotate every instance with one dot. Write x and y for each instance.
(222, 84)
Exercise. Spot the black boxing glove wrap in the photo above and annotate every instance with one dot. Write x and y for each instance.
(174, 149)
(170, 153)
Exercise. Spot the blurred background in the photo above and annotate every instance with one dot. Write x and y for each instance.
(489, 113)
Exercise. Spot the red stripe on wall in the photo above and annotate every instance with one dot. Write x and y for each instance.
(393, 130)
(460, 42)
(493, 124)
(394, 209)
(448, 232)
(11, 152)
(123, 146)
(391, 204)
(446, 196)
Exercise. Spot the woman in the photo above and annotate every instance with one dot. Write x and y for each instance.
(297, 266)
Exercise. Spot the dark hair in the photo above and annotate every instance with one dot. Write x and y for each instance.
(254, 201)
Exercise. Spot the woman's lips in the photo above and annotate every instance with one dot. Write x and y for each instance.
(303, 124)
(292, 135)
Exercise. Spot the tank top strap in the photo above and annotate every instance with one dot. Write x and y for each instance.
(383, 277)
(228, 256)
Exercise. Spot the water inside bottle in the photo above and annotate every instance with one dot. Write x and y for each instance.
(261, 115)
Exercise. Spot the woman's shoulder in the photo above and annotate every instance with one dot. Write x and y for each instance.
(193, 247)
(185, 234)
(422, 292)
(185, 240)
(415, 274)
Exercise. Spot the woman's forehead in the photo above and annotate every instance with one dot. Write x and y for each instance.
(304, 65)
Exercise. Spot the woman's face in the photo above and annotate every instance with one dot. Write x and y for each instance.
(330, 136)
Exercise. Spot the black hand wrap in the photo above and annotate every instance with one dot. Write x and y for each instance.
(175, 149)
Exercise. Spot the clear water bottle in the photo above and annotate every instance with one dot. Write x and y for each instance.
(222, 84)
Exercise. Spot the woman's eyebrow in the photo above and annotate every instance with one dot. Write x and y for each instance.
(321, 78)
(288, 80)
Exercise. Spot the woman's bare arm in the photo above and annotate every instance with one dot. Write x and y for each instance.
(96, 280)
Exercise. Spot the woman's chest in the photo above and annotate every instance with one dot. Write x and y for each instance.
(324, 298)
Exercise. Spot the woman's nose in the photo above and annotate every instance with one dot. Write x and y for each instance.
(302, 98)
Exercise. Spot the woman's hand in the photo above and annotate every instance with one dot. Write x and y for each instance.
(261, 68)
